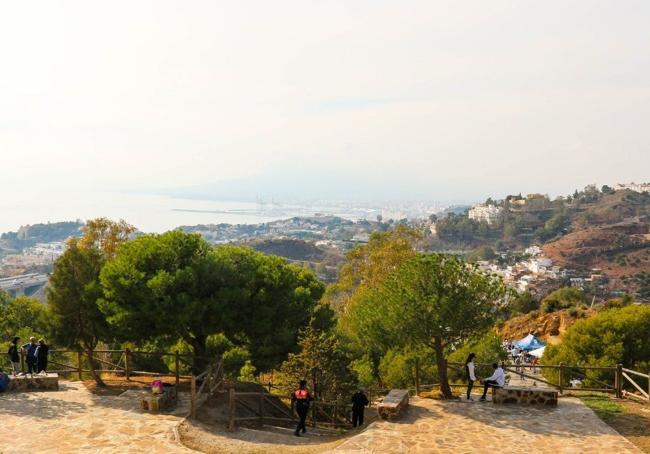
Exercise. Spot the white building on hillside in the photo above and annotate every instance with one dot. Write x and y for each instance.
(539, 265)
(487, 213)
(637, 187)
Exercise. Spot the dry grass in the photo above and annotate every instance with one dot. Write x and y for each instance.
(630, 419)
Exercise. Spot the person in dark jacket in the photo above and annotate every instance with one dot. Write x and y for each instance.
(359, 402)
(41, 356)
(301, 399)
(31, 357)
(14, 355)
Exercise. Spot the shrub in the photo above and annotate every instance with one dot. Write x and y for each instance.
(617, 335)
(563, 298)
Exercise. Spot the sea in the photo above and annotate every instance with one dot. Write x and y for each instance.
(158, 213)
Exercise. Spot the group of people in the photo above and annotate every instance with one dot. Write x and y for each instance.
(36, 354)
(496, 380)
(301, 399)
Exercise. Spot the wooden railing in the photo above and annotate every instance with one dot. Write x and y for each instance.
(212, 381)
(121, 362)
(329, 414)
(564, 373)
(644, 393)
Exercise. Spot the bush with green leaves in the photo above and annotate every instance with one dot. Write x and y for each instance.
(617, 335)
(397, 368)
(563, 298)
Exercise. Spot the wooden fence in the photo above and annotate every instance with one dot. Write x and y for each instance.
(563, 374)
(120, 362)
(328, 414)
(644, 393)
(212, 381)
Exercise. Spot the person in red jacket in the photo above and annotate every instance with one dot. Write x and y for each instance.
(301, 398)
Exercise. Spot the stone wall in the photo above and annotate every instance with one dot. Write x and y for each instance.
(26, 383)
(525, 396)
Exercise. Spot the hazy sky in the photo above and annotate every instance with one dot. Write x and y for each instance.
(449, 100)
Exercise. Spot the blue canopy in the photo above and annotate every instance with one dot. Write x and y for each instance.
(529, 343)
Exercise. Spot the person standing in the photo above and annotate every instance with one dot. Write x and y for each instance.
(41, 356)
(31, 357)
(359, 402)
(471, 377)
(496, 380)
(301, 399)
(14, 355)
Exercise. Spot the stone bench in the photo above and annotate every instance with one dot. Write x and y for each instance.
(36, 382)
(394, 404)
(155, 403)
(524, 396)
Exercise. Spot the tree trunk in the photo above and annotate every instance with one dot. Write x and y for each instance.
(441, 362)
(93, 372)
(199, 362)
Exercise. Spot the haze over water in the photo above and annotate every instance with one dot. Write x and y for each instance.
(149, 213)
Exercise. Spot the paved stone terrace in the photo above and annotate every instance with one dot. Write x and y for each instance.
(73, 420)
(432, 426)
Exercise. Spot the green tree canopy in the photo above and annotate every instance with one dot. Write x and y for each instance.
(74, 288)
(72, 298)
(324, 363)
(23, 317)
(177, 285)
(368, 265)
(434, 300)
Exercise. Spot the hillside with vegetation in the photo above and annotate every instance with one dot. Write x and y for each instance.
(28, 235)
(538, 219)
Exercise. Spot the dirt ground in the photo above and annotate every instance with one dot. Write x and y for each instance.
(116, 384)
(215, 439)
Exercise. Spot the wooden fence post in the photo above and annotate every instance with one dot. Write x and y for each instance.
(193, 397)
(177, 363)
(79, 365)
(560, 374)
(231, 406)
(127, 370)
(417, 376)
(618, 381)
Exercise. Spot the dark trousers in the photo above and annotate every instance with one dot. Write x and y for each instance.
(41, 366)
(302, 415)
(470, 385)
(31, 366)
(357, 417)
(489, 384)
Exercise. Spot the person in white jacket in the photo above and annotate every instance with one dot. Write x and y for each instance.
(496, 380)
(471, 378)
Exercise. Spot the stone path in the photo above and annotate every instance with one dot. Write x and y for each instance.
(73, 420)
(432, 426)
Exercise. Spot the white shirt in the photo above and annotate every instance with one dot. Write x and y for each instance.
(470, 368)
(499, 376)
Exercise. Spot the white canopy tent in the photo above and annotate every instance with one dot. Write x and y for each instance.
(537, 353)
